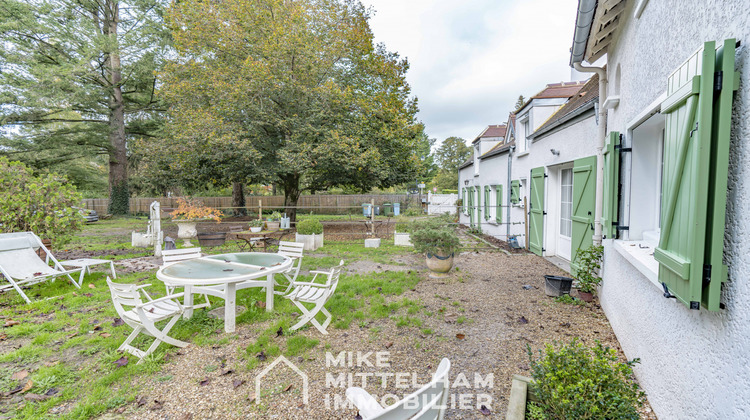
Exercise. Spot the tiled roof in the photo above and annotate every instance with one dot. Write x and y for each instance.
(497, 130)
(587, 95)
(556, 90)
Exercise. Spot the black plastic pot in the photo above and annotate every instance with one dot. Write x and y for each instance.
(212, 239)
(557, 285)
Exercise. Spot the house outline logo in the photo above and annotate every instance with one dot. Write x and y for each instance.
(298, 371)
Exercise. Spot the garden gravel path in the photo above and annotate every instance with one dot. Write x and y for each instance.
(482, 317)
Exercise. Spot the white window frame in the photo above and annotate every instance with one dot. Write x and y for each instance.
(523, 140)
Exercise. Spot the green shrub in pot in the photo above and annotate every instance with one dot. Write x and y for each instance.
(580, 382)
(434, 239)
(310, 227)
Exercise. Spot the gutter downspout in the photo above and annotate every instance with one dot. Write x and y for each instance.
(584, 20)
(601, 136)
(507, 193)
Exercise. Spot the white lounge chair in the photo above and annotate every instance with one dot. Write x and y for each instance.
(144, 315)
(315, 293)
(172, 256)
(427, 403)
(21, 265)
(294, 251)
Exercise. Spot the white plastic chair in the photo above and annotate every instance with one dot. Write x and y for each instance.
(316, 293)
(427, 403)
(293, 250)
(144, 315)
(172, 256)
(22, 266)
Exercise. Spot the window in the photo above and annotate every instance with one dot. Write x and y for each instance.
(526, 133)
(646, 166)
(523, 131)
(464, 203)
(566, 202)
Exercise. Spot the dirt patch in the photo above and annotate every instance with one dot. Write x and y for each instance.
(367, 267)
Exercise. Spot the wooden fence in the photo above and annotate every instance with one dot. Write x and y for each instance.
(317, 204)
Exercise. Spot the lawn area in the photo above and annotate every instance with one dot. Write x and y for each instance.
(63, 346)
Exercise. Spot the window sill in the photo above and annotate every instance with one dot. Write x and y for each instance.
(641, 258)
(524, 153)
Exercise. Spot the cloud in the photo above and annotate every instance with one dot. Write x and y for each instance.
(470, 60)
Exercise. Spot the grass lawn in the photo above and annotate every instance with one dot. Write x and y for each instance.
(62, 351)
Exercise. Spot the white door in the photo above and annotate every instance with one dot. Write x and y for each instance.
(566, 210)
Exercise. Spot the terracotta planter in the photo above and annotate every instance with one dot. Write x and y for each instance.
(585, 296)
(439, 265)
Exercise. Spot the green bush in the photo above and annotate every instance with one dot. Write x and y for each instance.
(41, 204)
(578, 382)
(434, 236)
(402, 227)
(309, 227)
(589, 261)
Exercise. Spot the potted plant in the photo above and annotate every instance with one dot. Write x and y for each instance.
(438, 241)
(273, 221)
(188, 213)
(256, 226)
(576, 382)
(589, 262)
(401, 236)
(310, 233)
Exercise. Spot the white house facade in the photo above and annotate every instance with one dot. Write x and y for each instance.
(555, 174)
(676, 195)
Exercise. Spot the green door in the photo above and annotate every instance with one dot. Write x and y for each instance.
(536, 211)
(471, 206)
(696, 149)
(584, 200)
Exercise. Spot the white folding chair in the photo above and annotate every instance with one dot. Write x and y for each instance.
(144, 315)
(172, 256)
(315, 293)
(22, 266)
(427, 403)
(294, 251)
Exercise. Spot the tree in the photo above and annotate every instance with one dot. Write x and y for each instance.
(78, 80)
(449, 156)
(519, 103)
(291, 93)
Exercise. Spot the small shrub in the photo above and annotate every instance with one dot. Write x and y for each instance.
(569, 300)
(402, 227)
(309, 227)
(589, 262)
(274, 216)
(435, 239)
(413, 211)
(578, 382)
(41, 204)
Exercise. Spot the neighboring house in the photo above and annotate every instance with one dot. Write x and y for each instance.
(481, 179)
(675, 196)
(559, 168)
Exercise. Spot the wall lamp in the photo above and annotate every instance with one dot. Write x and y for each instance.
(466, 182)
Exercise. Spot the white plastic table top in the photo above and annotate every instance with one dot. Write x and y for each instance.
(225, 271)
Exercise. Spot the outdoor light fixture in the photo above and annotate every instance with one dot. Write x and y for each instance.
(466, 182)
(555, 152)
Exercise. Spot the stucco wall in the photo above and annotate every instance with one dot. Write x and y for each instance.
(694, 364)
(575, 141)
(492, 171)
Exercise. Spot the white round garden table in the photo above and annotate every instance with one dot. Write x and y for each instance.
(222, 275)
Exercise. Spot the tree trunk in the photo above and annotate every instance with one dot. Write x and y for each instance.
(118, 155)
(291, 195)
(238, 199)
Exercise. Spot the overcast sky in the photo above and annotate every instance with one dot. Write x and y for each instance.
(471, 59)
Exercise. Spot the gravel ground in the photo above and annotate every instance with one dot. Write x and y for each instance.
(490, 289)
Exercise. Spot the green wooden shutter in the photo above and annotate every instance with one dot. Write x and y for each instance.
(694, 184)
(499, 203)
(487, 202)
(536, 211)
(463, 201)
(471, 206)
(515, 191)
(584, 200)
(611, 185)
